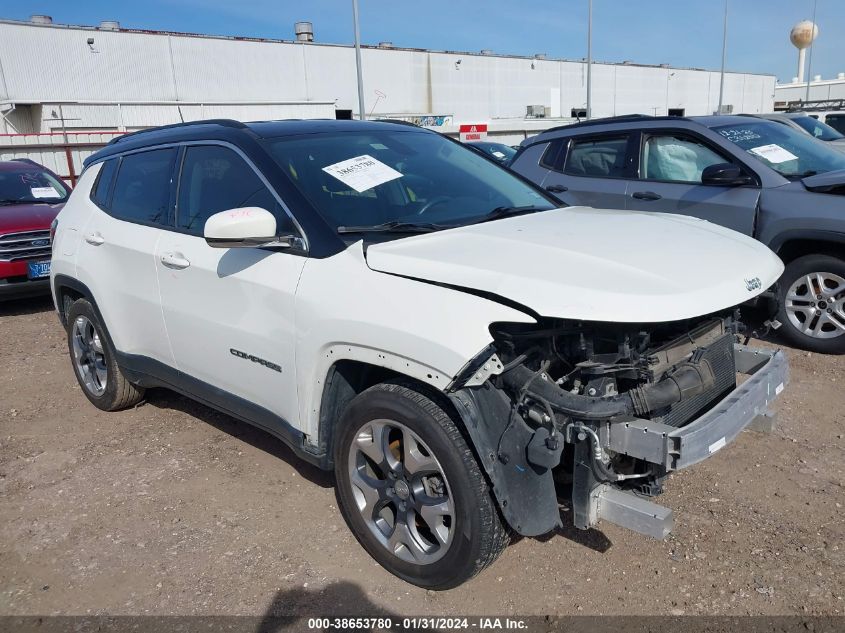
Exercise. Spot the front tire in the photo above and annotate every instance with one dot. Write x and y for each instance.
(94, 360)
(412, 491)
(811, 303)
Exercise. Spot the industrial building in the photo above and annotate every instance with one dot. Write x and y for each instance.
(821, 90)
(108, 78)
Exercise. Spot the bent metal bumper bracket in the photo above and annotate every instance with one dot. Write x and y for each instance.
(674, 448)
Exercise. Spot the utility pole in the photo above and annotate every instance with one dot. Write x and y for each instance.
(810, 62)
(361, 111)
(590, 61)
(724, 56)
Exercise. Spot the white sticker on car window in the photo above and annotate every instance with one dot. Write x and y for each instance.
(362, 172)
(44, 192)
(773, 153)
(498, 154)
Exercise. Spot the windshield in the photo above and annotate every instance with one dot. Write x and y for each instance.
(821, 131)
(30, 186)
(367, 179)
(786, 150)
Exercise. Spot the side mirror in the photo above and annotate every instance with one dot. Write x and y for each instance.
(246, 227)
(724, 174)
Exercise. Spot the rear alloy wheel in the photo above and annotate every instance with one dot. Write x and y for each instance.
(812, 303)
(94, 362)
(411, 489)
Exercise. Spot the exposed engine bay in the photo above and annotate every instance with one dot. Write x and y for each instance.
(602, 406)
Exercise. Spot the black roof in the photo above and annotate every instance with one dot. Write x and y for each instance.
(230, 130)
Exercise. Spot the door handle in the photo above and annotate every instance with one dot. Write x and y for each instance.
(557, 188)
(646, 195)
(95, 239)
(176, 261)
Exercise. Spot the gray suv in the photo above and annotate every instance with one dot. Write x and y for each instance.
(757, 177)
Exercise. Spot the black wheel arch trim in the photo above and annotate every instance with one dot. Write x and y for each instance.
(814, 235)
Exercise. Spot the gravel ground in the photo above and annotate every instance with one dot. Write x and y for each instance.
(172, 508)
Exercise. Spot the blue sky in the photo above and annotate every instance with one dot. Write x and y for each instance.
(679, 32)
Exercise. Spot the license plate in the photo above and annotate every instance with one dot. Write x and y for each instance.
(38, 270)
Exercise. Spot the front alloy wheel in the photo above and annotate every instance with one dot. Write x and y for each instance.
(411, 489)
(401, 491)
(812, 303)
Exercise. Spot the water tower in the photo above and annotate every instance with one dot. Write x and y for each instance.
(802, 36)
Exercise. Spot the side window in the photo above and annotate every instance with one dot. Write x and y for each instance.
(215, 179)
(142, 188)
(599, 157)
(836, 121)
(552, 158)
(676, 159)
(100, 192)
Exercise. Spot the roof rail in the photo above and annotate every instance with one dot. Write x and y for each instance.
(225, 122)
(28, 161)
(622, 118)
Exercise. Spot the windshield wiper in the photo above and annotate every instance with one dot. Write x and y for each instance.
(393, 226)
(505, 212)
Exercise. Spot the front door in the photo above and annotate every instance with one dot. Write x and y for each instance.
(229, 313)
(670, 182)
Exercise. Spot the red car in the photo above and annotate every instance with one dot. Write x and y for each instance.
(30, 198)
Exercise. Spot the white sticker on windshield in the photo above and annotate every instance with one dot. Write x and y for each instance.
(362, 172)
(44, 192)
(773, 153)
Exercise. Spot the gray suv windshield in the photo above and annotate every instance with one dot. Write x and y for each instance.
(791, 153)
(379, 178)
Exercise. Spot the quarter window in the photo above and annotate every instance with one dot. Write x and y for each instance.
(215, 179)
(100, 195)
(142, 188)
(676, 159)
(598, 157)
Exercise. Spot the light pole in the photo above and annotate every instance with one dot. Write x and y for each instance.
(810, 61)
(361, 112)
(724, 55)
(590, 61)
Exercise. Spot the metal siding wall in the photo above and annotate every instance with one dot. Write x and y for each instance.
(221, 70)
(55, 63)
(51, 64)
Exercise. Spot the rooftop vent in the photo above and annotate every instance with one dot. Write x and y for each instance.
(540, 56)
(304, 31)
(486, 51)
(840, 76)
(385, 44)
(40, 19)
(110, 25)
(817, 77)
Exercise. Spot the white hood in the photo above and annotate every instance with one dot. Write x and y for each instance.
(592, 264)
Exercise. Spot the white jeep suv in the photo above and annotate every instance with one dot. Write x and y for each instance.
(427, 324)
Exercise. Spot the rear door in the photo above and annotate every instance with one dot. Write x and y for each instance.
(669, 181)
(116, 252)
(590, 170)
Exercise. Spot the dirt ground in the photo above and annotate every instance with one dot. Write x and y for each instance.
(172, 508)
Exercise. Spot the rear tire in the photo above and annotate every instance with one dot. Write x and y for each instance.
(94, 360)
(411, 489)
(811, 304)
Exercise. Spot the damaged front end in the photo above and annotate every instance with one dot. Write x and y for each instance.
(608, 409)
